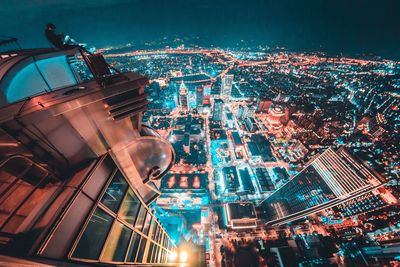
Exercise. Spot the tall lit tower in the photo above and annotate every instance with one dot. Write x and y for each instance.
(218, 110)
(183, 97)
(331, 178)
(226, 86)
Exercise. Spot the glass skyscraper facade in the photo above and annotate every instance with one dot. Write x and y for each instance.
(121, 228)
(328, 180)
(303, 192)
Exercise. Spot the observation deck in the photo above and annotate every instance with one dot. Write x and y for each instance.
(73, 149)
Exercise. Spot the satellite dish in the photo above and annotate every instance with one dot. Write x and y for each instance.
(152, 156)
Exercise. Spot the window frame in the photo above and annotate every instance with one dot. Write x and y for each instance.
(117, 218)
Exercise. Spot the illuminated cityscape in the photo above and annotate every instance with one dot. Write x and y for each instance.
(172, 152)
(282, 163)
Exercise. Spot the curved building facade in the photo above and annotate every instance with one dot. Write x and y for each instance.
(78, 171)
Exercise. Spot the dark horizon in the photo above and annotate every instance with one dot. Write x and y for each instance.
(349, 27)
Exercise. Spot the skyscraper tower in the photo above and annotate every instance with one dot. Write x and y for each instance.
(226, 86)
(78, 170)
(218, 110)
(240, 112)
(183, 97)
(330, 179)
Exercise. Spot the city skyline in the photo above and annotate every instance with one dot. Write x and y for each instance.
(336, 27)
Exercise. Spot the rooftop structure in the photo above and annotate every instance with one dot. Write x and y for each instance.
(240, 215)
(218, 110)
(183, 182)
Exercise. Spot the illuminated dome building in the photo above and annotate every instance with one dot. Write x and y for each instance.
(277, 117)
(78, 170)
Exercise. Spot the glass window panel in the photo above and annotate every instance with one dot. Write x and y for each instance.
(92, 240)
(117, 243)
(115, 192)
(140, 218)
(156, 254)
(146, 225)
(153, 256)
(130, 207)
(150, 252)
(133, 248)
(155, 251)
(158, 236)
(165, 255)
(161, 238)
(141, 250)
(162, 253)
(153, 230)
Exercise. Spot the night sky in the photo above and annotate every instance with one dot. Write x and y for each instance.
(349, 27)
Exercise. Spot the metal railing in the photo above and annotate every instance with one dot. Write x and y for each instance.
(100, 78)
(8, 43)
(26, 164)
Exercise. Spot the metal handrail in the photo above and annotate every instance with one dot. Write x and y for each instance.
(83, 50)
(4, 40)
(4, 161)
(7, 40)
(20, 176)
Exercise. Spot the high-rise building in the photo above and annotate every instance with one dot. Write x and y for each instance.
(218, 110)
(240, 112)
(226, 86)
(240, 215)
(78, 170)
(183, 97)
(330, 179)
(375, 126)
(251, 124)
(248, 112)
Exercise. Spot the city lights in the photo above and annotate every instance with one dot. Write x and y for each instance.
(200, 133)
(173, 256)
(183, 256)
